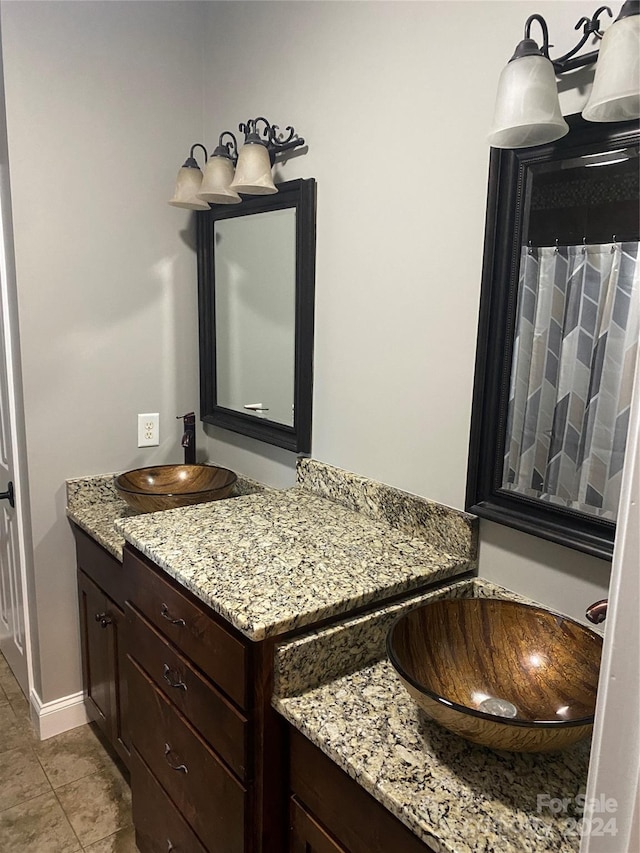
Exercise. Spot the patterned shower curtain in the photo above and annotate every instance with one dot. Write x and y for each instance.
(573, 374)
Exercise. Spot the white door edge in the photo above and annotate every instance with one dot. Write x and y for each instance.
(613, 785)
(9, 307)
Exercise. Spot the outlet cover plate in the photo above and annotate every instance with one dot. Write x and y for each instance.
(149, 429)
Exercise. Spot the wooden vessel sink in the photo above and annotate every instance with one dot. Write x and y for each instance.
(162, 487)
(499, 673)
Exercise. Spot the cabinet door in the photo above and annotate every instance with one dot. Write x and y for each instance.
(96, 652)
(119, 691)
(306, 835)
(103, 661)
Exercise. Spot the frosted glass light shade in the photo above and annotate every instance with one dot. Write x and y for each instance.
(218, 174)
(187, 186)
(527, 108)
(253, 171)
(615, 95)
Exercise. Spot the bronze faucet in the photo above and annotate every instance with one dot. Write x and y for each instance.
(189, 437)
(597, 612)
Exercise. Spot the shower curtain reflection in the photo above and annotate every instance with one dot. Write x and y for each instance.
(572, 374)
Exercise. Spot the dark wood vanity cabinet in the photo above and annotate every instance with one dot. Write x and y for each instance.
(207, 753)
(203, 729)
(101, 603)
(330, 813)
(306, 835)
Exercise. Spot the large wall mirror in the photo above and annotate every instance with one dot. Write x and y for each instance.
(558, 336)
(256, 299)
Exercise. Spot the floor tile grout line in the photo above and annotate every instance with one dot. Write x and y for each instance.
(71, 781)
(27, 800)
(19, 700)
(68, 819)
(106, 837)
(95, 840)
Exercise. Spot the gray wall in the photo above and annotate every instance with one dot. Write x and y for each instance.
(103, 101)
(395, 100)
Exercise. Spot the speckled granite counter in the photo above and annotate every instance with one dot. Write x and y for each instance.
(94, 505)
(455, 796)
(271, 560)
(271, 563)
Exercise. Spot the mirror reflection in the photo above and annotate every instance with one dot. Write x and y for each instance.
(255, 275)
(256, 286)
(558, 336)
(576, 335)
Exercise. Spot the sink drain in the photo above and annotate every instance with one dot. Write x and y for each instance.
(498, 707)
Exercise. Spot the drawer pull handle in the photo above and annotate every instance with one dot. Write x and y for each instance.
(104, 619)
(173, 680)
(181, 768)
(164, 612)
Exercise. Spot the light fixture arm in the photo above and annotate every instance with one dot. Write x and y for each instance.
(227, 149)
(544, 50)
(590, 27)
(274, 141)
(191, 162)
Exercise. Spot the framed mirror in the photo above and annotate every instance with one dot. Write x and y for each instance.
(256, 284)
(558, 336)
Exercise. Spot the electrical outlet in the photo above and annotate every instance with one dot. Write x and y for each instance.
(149, 430)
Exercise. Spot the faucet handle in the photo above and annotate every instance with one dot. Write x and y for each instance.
(189, 418)
(597, 612)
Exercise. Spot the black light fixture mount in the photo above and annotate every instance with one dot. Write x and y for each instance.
(569, 61)
(275, 143)
(191, 162)
(226, 149)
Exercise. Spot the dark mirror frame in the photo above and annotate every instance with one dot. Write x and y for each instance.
(301, 195)
(505, 220)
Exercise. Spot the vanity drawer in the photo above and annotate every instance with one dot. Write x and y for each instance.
(205, 792)
(189, 626)
(210, 713)
(356, 821)
(306, 835)
(159, 825)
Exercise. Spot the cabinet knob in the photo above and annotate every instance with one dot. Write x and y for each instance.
(170, 846)
(164, 612)
(104, 619)
(180, 768)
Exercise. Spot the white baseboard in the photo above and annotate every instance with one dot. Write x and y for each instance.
(53, 718)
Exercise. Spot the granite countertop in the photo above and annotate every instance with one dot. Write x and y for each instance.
(456, 796)
(94, 505)
(274, 561)
(271, 561)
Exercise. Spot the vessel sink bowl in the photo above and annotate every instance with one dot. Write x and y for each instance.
(499, 673)
(162, 487)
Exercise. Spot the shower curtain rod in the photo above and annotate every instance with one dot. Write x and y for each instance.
(615, 238)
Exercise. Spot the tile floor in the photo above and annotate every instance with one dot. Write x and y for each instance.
(60, 795)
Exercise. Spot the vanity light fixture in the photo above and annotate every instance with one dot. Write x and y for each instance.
(218, 173)
(230, 171)
(188, 183)
(527, 108)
